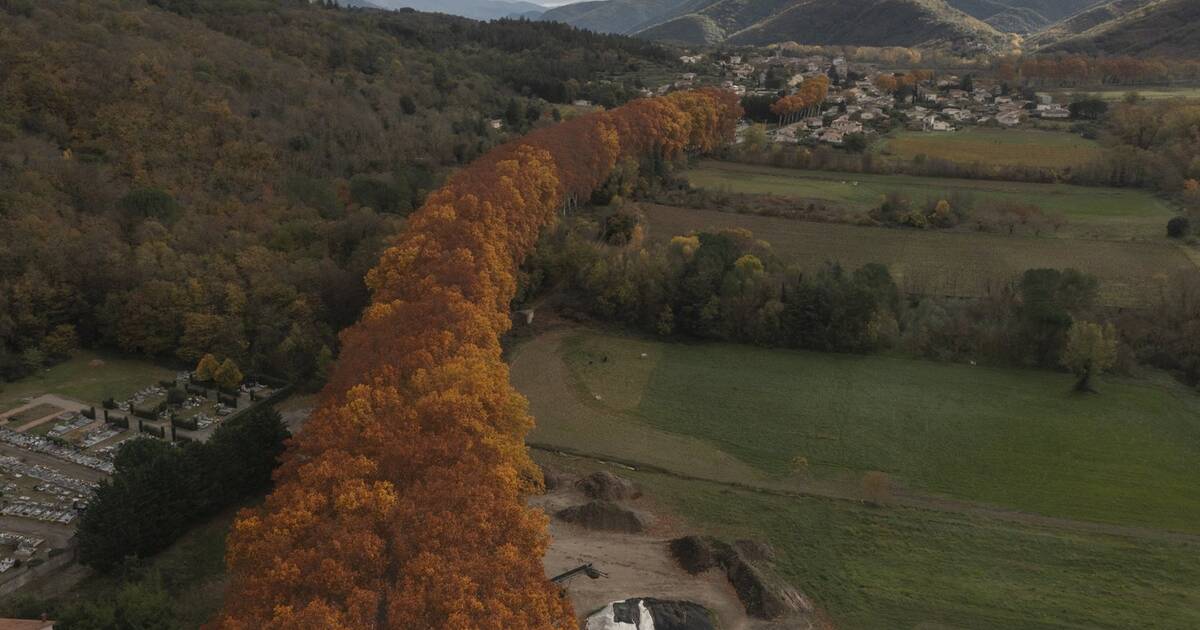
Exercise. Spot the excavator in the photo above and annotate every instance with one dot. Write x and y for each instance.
(586, 569)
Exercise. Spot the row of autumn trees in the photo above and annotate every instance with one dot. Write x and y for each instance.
(1085, 70)
(804, 102)
(401, 503)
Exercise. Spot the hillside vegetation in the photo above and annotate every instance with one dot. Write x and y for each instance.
(1021, 16)
(179, 178)
(1164, 28)
(873, 22)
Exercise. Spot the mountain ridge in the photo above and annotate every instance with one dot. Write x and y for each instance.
(1164, 28)
(849, 22)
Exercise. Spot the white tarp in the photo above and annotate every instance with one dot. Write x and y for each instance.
(606, 618)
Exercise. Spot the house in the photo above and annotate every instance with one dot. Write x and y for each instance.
(496, 123)
(26, 624)
(1009, 118)
(847, 126)
(1055, 112)
(688, 76)
(816, 122)
(933, 123)
(690, 59)
(582, 102)
(830, 136)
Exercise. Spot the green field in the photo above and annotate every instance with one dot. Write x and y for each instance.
(931, 262)
(1017, 438)
(906, 569)
(87, 377)
(1107, 213)
(1002, 147)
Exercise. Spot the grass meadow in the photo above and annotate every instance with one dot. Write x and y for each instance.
(930, 262)
(1107, 213)
(1002, 147)
(1016, 438)
(87, 377)
(1006, 437)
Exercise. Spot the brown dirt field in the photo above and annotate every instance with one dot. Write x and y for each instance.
(946, 263)
(638, 565)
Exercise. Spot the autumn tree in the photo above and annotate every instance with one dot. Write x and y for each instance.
(228, 376)
(206, 369)
(1090, 350)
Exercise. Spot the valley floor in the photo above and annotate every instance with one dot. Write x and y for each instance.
(1048, 515)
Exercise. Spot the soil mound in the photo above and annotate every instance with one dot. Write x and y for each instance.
(604, 515)
(555, 479)
(605, 486)
(763, 593)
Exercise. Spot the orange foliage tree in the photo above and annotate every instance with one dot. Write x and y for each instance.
(401, 503)
(807, 99)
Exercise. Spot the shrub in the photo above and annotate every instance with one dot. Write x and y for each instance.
(1178, 227)
(190, 424)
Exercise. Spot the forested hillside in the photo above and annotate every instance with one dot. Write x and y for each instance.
(1022, 16)
(1164, 28)
(180, 177)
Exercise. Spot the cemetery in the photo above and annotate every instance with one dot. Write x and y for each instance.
(54, 450)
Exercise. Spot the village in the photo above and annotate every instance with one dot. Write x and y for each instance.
(856, 106)
(56, 450)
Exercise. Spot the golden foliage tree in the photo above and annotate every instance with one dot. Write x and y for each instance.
(207, 368)
(228, 376)
(1091, 349)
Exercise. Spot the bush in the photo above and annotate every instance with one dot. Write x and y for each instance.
(1178, 227)
(190, 424)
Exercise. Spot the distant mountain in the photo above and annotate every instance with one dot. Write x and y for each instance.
(1164, 28)
(1084, 21)
(1022, 16)
(830, 22)
(474, 9)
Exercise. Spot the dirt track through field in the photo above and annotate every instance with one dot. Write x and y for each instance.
(540, 373)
